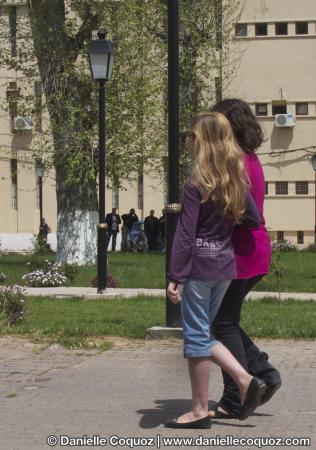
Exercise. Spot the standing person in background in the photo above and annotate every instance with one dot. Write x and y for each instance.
(128, 220)
(253, 254)
(151, 229)
(44, 229)
(113, 221)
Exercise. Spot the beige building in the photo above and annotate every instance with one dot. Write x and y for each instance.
(276, 76)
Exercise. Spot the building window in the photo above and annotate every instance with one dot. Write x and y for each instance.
(281, 29)
(38, 106)
(301, 27)
(14, 184)
(301, 109)
(261, 109)
(281, 188)
(241, 29)
(301, 187)
(140, 191)
(300, 237)
(218, 89)
(280, 236)
(261, 29)
(279, 107)
(12, 26)
(267, 188)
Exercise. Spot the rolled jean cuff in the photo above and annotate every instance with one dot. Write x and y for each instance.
(205, 353)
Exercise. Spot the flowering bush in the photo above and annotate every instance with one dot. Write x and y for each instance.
(12, 302)
(2, 277)
(284, 246)
(47, 276)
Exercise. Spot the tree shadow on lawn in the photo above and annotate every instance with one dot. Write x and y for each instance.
(168, 409)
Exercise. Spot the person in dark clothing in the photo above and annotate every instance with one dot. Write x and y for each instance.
(128, 220)
(162, 225)
(113, 221)
(44, 229)
(151, 229)
(253, 256)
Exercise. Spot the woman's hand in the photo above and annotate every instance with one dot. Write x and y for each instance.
(173, 293)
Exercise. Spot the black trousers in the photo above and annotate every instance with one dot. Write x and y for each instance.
(227, 329)
(108, 237)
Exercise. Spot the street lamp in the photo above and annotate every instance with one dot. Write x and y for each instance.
(39, 170)
(173, 312)
(314, 167)
(101, 57)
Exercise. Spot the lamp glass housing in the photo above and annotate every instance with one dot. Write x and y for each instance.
(101, 57)
(39, 169)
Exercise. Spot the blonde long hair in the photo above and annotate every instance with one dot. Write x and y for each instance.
(218, 164)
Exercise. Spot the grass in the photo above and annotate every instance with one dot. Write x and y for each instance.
(148, 271)
(75, 322)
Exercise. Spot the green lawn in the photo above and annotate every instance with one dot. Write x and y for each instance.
(147, 271)
(70, 321)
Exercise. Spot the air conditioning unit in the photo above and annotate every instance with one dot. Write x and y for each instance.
(284, 120)
(23, 123)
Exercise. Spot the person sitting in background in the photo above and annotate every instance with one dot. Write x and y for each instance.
(128, 220)
(151, 229)
(113, 221)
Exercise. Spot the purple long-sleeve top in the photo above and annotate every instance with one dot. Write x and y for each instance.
(202, 247)
(252, 246)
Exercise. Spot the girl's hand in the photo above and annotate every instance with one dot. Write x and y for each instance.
(173, 293)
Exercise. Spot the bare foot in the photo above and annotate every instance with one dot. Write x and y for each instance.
(221, 410)
(243, 388)
(189, 417)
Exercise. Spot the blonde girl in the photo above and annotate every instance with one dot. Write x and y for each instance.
(215, 199)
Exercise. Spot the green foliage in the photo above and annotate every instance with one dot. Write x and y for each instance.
(70, 271)
(12, 301)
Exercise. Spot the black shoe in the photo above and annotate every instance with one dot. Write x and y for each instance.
(205, 422)
(255, 391)
(270, 391)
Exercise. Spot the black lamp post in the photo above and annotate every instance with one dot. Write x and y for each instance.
(173, 312)
(314, 167)
(101, 57)
(39, 169)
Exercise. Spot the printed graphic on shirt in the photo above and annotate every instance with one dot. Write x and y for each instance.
(208, 247)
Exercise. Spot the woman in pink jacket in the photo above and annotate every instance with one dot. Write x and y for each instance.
(253, 255)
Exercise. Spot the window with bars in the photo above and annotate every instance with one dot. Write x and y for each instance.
(241, 29)
(281, 188)
(218, 89)
(280, 236)
(300, 237)
(219, 24)
(14, 183)
(301, 187)
(261, 109)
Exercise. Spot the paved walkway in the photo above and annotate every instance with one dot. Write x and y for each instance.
(130, 390)
(88, 292)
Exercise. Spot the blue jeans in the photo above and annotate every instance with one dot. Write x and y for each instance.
(200, 303)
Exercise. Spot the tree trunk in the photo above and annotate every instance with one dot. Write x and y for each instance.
(77, 221)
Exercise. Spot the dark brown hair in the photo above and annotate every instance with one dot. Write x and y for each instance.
(247, 131)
